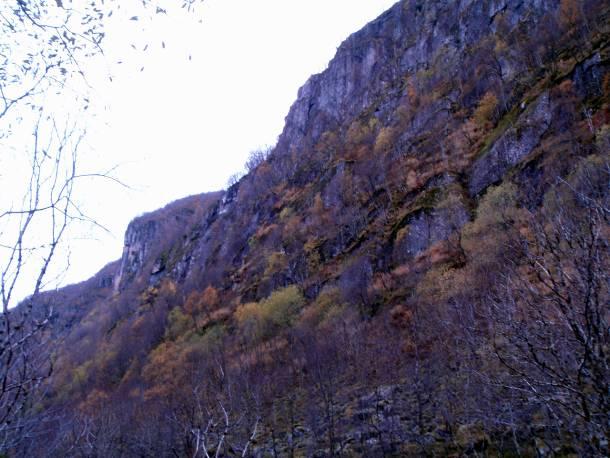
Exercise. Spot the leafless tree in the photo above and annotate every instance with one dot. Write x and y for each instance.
(323, 368)
(551, 318)
(220, 413)
(256, 158)
(30, 236)
(45, 47)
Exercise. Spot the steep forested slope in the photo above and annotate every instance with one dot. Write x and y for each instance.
(418, 267)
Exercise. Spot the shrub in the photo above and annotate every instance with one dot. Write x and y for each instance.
(262, 320)
(178, 324)
(327, 306)
(497, 217)
(385, 140)
(487, 109)
(250, 319)
(276, 264)
(283, 306)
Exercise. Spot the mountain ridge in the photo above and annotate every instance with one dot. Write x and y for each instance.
(308, 309)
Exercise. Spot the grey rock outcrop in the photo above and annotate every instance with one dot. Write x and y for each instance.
(427, 228)
(138, 241)
(371, 63)
(152, 239)
(513, 145)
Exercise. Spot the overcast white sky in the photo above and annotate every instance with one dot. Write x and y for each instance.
(183, 126)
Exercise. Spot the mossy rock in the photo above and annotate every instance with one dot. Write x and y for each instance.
(425, 201)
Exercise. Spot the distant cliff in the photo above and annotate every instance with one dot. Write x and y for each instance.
(149, 238)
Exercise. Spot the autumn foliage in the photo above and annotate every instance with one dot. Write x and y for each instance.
(355, 295)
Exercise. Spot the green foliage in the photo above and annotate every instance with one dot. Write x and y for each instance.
(214, 336)
(426, 200)
(312, 251)
(496, 207)
(261, 320)
(361, 132)
(250, 320)
(283, 305)
(602, 137)
(330, 214)
(496, 214)
(178, 324)
(327, 306)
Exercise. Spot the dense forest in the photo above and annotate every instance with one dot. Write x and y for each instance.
(419, 267)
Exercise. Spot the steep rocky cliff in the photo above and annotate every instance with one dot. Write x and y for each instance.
(319, 295)
(413, 47)
(369, 68)
(149, 238)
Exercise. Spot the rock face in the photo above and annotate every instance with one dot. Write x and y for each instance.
(513, 145)
(138, 240)
(414, 41)
(402, 41)
(429, 44)
(427, 228)
(367, 78)
(151, 238)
